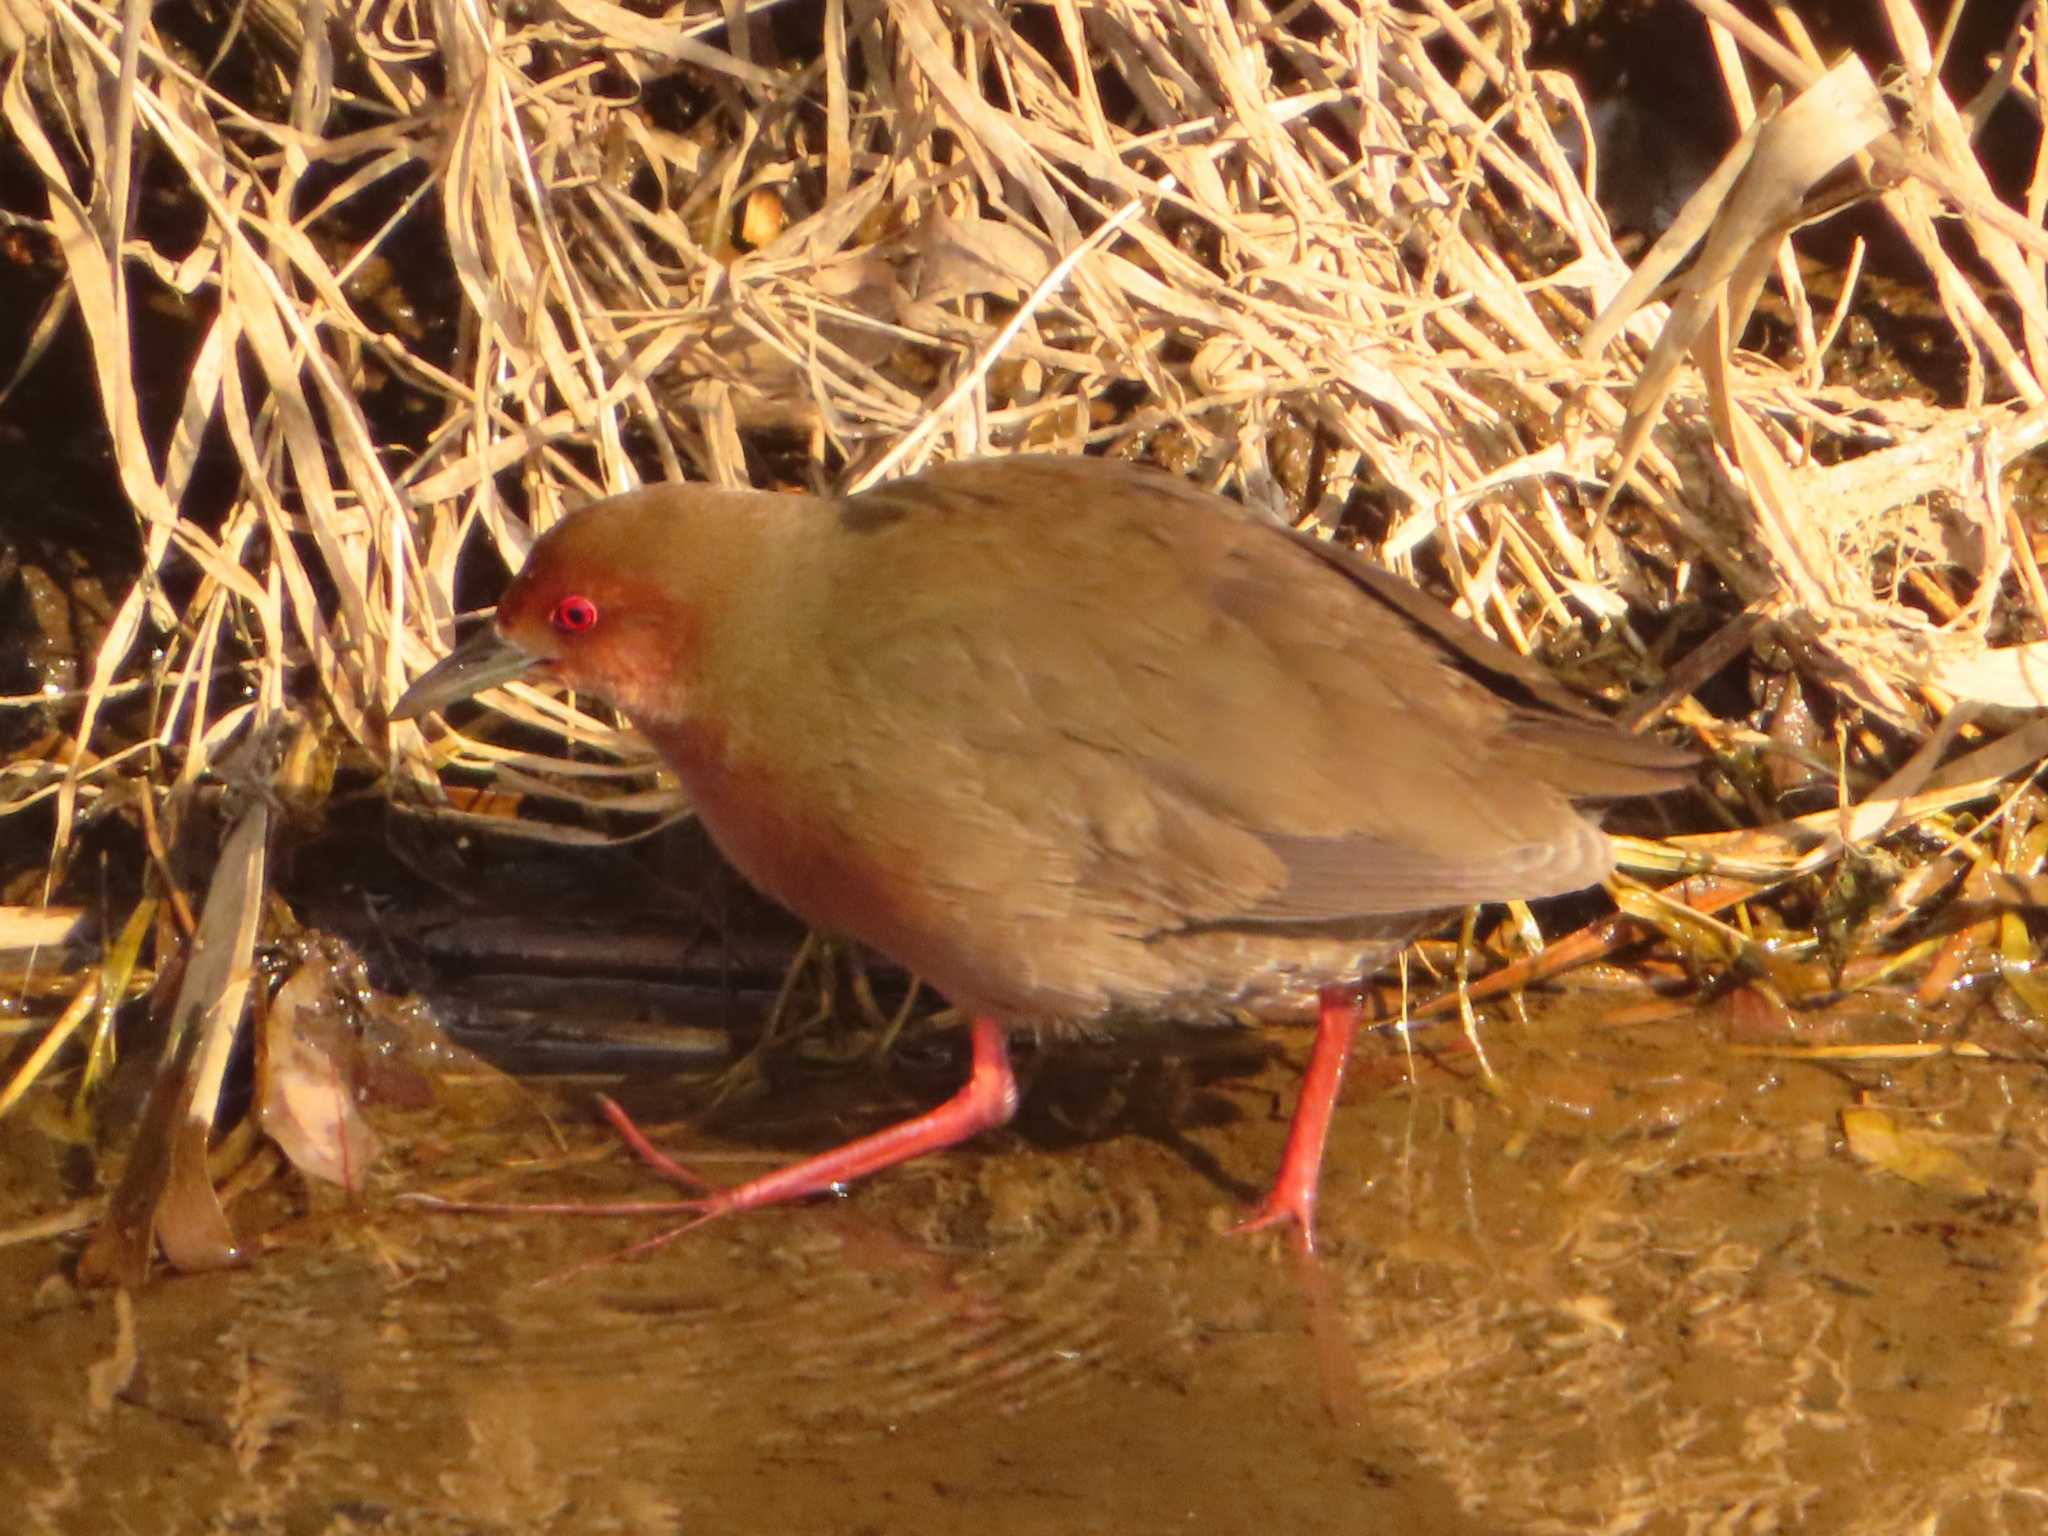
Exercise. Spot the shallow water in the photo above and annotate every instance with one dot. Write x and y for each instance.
(1644, 1288)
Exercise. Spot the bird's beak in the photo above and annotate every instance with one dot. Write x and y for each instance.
(482, 661)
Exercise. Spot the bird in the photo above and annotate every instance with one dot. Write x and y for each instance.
(1077, 741)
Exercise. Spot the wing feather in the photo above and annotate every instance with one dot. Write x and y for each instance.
(1269, 730)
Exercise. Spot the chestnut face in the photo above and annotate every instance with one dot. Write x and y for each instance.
(594, 620)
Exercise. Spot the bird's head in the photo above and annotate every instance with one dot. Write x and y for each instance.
(609, 603)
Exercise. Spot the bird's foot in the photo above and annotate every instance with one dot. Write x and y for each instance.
(711, 1203)
(1281, 1207)
(636, 1141)
(987, 1100)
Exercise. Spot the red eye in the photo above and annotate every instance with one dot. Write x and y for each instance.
(574, 615)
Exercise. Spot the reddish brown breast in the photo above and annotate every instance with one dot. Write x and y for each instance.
(778, 839)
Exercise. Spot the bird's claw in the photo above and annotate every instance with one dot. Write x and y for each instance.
(1275, 1210)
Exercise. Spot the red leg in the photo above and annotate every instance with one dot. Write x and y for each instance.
(987, 1100)
(1293, 1195)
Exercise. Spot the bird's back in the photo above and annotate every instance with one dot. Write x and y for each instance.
(1098, 741)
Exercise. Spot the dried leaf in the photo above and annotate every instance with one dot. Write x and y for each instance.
(306, 1093)
(1918, 1157)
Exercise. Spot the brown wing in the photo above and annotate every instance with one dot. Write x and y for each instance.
(1199, 718)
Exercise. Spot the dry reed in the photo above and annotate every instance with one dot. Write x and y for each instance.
(1316, 255)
